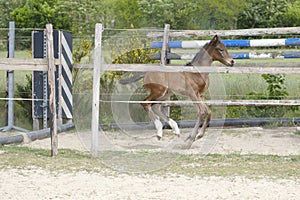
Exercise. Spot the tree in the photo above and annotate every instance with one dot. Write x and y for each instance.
(127, 14)
(156, 12)
(292, 15)
(6, 7)
(191, 14)
(222, 14)
(263, 14)
(37, 13)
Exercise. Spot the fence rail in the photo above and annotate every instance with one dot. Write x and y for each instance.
(241, 68)
(26, 64)
(220, 102)
(223, 33)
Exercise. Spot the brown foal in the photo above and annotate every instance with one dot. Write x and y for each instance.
(162, 85)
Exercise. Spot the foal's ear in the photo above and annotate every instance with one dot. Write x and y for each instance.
(216, 38)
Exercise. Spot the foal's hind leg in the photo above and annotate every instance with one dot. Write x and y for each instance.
(157, 123)
(156, 91)
(157, 110)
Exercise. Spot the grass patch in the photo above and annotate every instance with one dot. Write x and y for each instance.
(67, 160)
(251, 166)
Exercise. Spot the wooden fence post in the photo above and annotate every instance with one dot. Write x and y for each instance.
(52, 96)
(164, 60)
(96, 90)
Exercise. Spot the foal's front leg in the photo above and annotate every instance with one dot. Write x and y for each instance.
(202, 112)
(194, 133)
(207, 114)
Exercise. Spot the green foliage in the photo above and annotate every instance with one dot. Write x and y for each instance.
(263, 14)
(276, 90)
(175, 111)
(37, 13)
(80, 16)
(191, 14)
(127, 14)
(292, 15)
(6, 7)
(222, 14)
(25, 91)
(140, 56)
(82, 85)
(82, 50)
(158, 12)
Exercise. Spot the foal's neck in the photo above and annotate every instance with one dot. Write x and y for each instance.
(202, 58)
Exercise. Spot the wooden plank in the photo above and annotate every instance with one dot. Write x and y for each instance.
(254, 64)
(254, 102)
(52, 96)
(96, 90)
(164, 49)
(203, 69)
(221, 102)
(25, 64)
(223, 33)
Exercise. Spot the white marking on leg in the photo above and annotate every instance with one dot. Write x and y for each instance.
(158, 126)
(174, 126)
(200, 134)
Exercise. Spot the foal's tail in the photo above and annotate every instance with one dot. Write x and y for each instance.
(131, 79)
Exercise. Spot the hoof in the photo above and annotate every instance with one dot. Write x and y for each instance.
(199, 136)
(188, 138)
(158, 137)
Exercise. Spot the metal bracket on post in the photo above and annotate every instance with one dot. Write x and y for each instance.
(10, 76)
(59, 88)
(45, 88)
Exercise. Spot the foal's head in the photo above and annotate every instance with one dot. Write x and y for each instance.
(217, 51)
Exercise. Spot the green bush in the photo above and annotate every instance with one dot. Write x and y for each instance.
(276, 90)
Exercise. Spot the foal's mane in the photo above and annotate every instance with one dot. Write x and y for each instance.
(199, 56)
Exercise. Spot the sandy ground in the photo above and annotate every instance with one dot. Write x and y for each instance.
(41, 184)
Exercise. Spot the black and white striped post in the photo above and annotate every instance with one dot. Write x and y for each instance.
(63, 73)
(65, 77)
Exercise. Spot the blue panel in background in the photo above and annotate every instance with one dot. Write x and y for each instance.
(172, 44)
(291, 54)
(292, 42)
(240, 55)
(236, 43)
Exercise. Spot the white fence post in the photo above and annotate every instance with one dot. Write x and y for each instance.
(96, 90)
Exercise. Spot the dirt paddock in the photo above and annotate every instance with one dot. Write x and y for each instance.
(35, 183)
